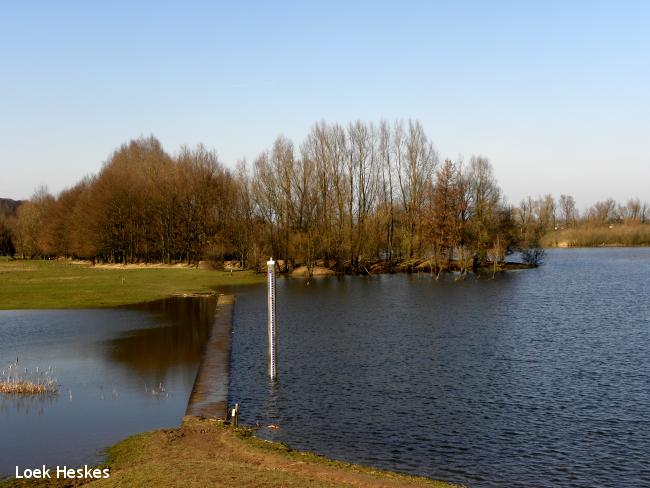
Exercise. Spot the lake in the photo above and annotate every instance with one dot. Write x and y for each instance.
(120, 372)
(536, 378)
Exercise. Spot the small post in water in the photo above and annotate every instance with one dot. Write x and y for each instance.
(271, 298)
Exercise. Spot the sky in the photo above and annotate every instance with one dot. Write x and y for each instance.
(555, 93)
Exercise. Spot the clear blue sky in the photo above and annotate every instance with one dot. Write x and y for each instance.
(556, 94)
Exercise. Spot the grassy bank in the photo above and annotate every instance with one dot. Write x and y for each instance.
(602, 236)
(62, 284)
(205, 453)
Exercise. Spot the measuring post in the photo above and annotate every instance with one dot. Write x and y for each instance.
(234, 415)
(271, 297)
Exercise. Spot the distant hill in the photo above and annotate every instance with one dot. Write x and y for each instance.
(8, 206)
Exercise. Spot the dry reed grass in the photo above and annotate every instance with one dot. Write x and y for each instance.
(26, 387)
(15, 380)
(599, 236)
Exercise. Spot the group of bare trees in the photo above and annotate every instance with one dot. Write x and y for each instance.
(349, 196)
(346, 197)
(536, 217)
(609, 212)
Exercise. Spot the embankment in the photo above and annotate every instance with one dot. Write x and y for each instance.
(209, 395)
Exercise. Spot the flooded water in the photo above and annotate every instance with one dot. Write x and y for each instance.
(119, 372)
(537, 378)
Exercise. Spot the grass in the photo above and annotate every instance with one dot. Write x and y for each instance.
(206, 453)
(599, 236)
(33, 284)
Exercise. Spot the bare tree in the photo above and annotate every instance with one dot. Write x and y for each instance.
(484, 204)
(632, 211)
(568, 210)
(416, 160)
(603, 212)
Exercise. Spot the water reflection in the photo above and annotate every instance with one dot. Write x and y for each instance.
(176, 342)
(26, 405)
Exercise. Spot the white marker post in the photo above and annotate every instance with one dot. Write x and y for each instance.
(271, 298)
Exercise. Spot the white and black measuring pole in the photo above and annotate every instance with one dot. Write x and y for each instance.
(271, 298)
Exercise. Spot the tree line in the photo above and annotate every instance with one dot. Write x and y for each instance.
(545, 216)
(346, 197)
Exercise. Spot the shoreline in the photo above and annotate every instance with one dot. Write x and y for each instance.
(204, 452)
(257, 462)
(413, 266)
(601, 246)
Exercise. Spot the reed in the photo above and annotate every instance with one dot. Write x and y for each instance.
(628, 235)
(15, 380)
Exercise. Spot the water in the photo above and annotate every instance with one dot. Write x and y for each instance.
(120, 372)
(538, 378)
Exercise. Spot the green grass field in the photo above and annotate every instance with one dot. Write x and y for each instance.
(62, 284)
